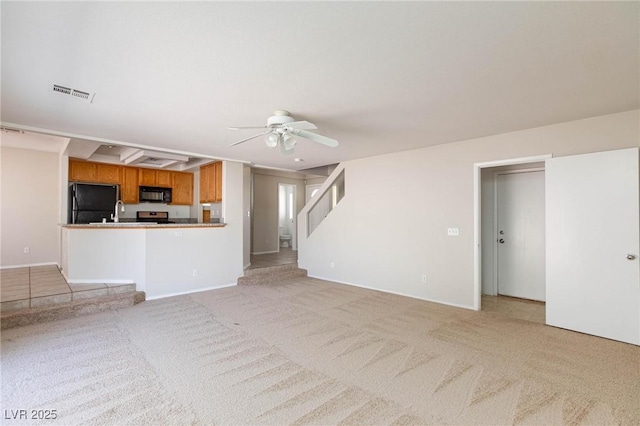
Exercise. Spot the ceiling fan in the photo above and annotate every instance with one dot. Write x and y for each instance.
(283, 130)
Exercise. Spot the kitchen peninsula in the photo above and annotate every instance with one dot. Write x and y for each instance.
(130, 225)
(161, 259)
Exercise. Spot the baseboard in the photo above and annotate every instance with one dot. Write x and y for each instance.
(246, 266)
(199, 290)
(455, 305)
(266, 252)
(98, 281)
(29, 265)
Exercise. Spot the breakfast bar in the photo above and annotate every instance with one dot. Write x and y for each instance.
(160, 259)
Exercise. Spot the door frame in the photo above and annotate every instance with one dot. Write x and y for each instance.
(496, 288)
(477, 218)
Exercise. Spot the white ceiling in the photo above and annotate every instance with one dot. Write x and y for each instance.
(378, 77)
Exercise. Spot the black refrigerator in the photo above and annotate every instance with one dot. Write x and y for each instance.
(91, 203)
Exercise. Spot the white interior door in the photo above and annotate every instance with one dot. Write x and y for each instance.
(520, 234)
(593, 277)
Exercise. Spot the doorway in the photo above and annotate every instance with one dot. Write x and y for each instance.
(287, 217)
(484, 225)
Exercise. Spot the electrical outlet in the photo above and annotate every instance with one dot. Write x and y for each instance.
(424, 279)
(453, 232)
(195, 272)
(27, 250)
(333, 264)
(178, 233)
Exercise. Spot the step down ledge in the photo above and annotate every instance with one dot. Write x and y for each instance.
(28, 316)
(268, 278)
(270, 269)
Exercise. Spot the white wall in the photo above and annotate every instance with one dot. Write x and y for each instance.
(115, 255)
(424, 192)
(30, 207)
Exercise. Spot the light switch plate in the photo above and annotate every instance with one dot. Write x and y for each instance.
(453, 232)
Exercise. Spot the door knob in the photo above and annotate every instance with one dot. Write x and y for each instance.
(631, 256)
(501, 240)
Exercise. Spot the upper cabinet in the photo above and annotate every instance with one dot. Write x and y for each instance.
(131, 178)
(211, 183)
(129, 191)
(150, 177)
(109, 173)
(182, 184)
(217, 167)
(85, 171)
(164, 178)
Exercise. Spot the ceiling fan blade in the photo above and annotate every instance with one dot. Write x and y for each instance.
(250, 127)
(249, 138)
(302, 125)
(315, 137)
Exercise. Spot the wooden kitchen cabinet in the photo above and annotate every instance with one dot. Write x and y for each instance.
(82, 171)
(108, 173)
(218, 181)
(205, 191)
(146, 177)
(129, 192)
(164, 178)
(86, 171)
(182, 188)
(131, 178)
(211, 183)
(150, 177)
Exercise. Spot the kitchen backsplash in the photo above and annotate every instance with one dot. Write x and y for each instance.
(176, 213)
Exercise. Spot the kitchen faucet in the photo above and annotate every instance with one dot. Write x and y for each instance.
(114, 215)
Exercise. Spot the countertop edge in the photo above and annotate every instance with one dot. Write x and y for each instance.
(123, 225)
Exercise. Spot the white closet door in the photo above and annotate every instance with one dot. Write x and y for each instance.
(592, 221)
(520, 234)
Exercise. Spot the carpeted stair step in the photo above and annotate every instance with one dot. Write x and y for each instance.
(72, 309)
(272, 274)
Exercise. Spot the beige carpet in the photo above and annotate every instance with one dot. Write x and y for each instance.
(314, 352)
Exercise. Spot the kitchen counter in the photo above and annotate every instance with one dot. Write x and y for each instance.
(141, 225)
(161, 259)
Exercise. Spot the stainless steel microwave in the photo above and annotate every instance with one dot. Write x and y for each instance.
(152, 194)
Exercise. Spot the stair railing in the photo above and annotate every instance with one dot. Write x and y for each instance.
(323, 202)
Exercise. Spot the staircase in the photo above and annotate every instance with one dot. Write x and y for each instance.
(272, 274)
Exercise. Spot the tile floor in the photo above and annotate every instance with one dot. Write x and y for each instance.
(524, 309)
(45, 286)
(283, 257)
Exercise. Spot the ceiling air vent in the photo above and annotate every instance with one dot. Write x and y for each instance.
(78, 94)
(61, 89)
(8, 130)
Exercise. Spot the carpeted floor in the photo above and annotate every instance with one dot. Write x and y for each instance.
(314, 352)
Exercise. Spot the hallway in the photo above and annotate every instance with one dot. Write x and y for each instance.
(283, 257)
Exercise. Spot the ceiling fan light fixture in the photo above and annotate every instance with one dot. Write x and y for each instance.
(289, 142)
(272, 140)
